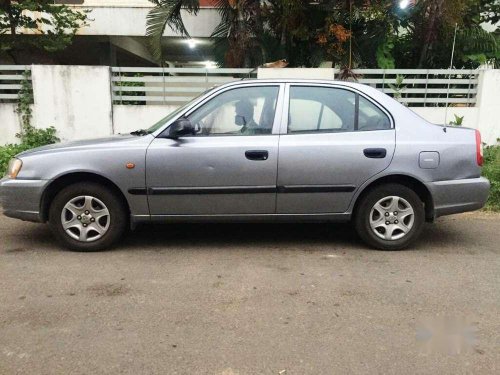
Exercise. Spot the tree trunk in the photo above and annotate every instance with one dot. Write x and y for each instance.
(434, 11)
(13, 57)
(7, 6)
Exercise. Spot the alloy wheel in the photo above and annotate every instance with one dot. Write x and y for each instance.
(392, 218)
(85, 218)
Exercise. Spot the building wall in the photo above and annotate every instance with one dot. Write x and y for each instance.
(9, 124)
(131, 21)
(122, 3)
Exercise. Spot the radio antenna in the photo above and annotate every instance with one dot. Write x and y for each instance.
(449, 76)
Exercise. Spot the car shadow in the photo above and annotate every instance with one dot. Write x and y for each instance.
(282, 236)
(243, 235)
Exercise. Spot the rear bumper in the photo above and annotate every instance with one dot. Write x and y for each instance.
(20, 199)
(455, 196)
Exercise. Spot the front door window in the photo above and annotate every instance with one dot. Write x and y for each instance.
(241, 111)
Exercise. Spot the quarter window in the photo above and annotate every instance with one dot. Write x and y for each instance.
(323, 109)
(241, 111)
(371, 117)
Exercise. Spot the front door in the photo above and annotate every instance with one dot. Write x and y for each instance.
(229, 167)
(335, 140)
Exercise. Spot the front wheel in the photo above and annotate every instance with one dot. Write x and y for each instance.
(87, 217)
(390, 217)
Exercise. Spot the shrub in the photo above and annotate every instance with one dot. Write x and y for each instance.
(30, 137)
(491, 170)
(7, 152)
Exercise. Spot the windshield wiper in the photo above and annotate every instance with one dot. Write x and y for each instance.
(140, 132)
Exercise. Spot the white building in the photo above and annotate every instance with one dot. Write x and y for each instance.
(116, 33)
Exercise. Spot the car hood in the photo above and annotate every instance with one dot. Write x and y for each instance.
(91, 144)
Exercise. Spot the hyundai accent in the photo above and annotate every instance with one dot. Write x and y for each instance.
(257, 150)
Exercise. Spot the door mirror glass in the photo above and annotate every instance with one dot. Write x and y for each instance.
(179, 128)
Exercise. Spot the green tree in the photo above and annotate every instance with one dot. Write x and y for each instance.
(350, 33)
(29, 28)
(427, 33)
(293, 24)
(238, 37)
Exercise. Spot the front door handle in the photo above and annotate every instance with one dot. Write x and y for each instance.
(257, 154)
(375, 153)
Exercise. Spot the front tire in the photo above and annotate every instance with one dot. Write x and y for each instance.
(389, 217)
(87, 217)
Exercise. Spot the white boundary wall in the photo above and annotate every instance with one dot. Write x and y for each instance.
(76, 100)
(127, 118)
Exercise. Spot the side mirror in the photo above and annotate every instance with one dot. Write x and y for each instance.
(180, 127)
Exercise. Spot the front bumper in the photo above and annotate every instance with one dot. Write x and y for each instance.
(455, 196)
(21, 199)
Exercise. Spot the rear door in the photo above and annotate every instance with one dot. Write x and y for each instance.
(333, 139)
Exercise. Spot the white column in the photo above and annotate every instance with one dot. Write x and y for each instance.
(488, 103)
(299, 73)
(76, 100)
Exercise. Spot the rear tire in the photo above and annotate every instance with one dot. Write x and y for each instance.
(389, 217)
(87, 216)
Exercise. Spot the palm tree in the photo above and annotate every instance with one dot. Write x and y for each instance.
(167, 13)
(236, 34)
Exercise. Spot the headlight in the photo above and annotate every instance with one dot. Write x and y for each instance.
(14, 167)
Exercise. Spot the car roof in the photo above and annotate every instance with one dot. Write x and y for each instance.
(297, 80)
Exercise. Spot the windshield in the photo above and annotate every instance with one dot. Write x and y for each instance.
(173, 114)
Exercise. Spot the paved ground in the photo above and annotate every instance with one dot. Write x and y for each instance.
(252, 299)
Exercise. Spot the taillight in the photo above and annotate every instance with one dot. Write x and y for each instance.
(479, 149)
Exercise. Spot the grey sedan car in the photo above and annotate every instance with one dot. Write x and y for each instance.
(256, 150)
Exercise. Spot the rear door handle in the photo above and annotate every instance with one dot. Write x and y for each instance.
(257, 154)
(375, 153)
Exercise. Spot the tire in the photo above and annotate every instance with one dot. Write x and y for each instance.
(376, 217)
(87, 216)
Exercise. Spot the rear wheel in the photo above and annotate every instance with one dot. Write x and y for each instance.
(390, 217)
(87, 217)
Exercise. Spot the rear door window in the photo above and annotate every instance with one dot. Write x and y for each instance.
(314, 109)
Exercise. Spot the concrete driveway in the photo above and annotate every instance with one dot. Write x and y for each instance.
(252, 299)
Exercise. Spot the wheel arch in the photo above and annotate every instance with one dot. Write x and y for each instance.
(73, 177)
(409, 181)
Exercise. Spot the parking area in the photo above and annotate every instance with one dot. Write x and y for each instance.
(252, 299)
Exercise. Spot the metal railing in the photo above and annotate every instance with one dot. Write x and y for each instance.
(168, 85)
(425, 87)
(419, 87)
(11, 77)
